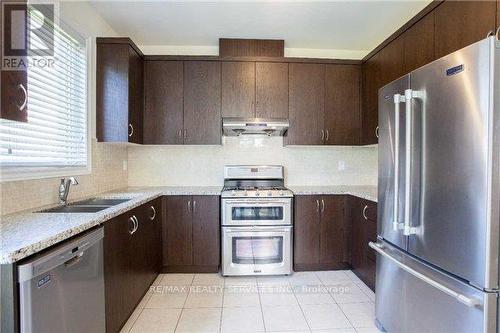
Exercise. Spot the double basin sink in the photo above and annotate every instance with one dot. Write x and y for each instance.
(93, 205)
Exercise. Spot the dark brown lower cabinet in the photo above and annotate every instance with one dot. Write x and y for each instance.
(320, 235)
(363, 215)
(191, 234)
(131, 260)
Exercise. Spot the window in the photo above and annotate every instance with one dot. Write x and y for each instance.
(54, 141)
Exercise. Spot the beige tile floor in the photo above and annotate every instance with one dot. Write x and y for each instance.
(328, 301)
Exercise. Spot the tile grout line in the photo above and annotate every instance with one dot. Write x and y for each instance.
(300, 307)
(183, 305)
(261, 307)
(222, 305)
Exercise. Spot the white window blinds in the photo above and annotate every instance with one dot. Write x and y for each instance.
(55, 135)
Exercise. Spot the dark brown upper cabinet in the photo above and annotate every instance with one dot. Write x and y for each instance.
(370, 85)
(238, 89)
(320, 235)
(163, 102)
(418, 44)
(391, 62)
(14, 83)
(342, 101)
(202, 102)
(119, 91)
(14, 98)
(307, 104)
(460, 23)
(271, 90)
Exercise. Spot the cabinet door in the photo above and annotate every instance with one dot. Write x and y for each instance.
(461, 23)
(117, 271)
(331, 230)
(206, 230)
(238, 89)
(151, 238)
(418, 44)
(136, 98)
(163, 112)
(369, 113)
(14, 84)
(307, 104)
(390, 62)
(307, 230)
(342, 99)
(358, 237)
(14, 96)
(202, 102)
(177, 232)
(271, 90)
(112, 92)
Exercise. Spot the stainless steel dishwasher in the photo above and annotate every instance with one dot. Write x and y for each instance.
(63, 290)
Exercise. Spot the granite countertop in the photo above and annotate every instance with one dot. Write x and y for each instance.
(25, 233)
(363, 191)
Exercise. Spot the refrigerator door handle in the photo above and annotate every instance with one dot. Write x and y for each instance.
(469, 301)
(409, 96)
(398, 98)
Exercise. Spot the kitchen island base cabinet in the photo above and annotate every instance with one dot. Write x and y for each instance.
(191, 234)
(320, 234)
(132, 250)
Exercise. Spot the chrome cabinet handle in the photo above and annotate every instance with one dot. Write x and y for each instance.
(23, 89)
(194, 205)
(317, 205)
(152, 217)
(180, 134)
(185, 133)
(322, 135)
(131, 130)
(189, 205)
(327, 135)
(134, 225)
(364, 212)
(376, 132)
(470, 302)
(322, 205)
(497, 32)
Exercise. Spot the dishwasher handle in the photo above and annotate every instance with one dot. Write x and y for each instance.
(61, 255)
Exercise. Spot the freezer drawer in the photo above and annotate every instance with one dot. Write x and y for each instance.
(413, 297)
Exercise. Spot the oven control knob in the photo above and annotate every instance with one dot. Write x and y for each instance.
(281, 193)
(269, 193)
(257, 193)
(233, 193)
(246, 193)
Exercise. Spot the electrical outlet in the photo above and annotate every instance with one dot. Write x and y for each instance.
(341, 165)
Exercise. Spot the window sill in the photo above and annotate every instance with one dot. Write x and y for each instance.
(17, 174)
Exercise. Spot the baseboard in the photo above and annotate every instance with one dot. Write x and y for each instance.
(190, 269)
(320, 267)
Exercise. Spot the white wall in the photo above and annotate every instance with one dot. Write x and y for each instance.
(203, 165)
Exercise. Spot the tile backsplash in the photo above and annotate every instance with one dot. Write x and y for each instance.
(107, 174)
(203, 165)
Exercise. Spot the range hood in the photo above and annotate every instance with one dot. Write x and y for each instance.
(254, 126)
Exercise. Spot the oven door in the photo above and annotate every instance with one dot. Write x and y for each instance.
(265, 211)
(256, 250)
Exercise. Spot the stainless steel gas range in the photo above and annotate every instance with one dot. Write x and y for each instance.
(257, 228)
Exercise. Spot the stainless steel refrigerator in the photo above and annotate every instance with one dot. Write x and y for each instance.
(438, 195)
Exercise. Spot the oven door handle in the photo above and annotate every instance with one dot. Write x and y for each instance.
(256, 229)
(257, 203)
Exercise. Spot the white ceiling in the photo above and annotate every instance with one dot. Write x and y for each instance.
(339, 25)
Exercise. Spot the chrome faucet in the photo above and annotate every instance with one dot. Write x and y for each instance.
(64, 189)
